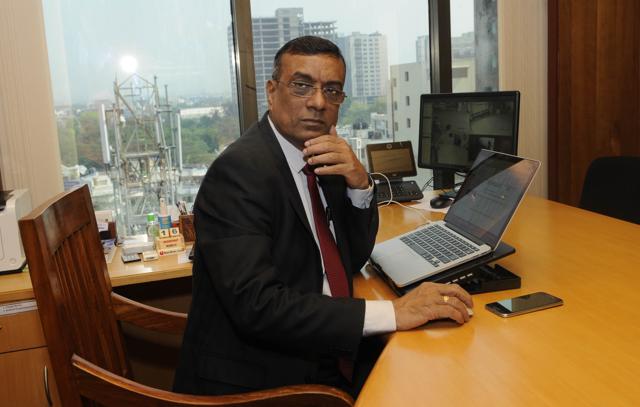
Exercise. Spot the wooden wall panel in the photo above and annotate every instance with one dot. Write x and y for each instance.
(594, 88)
(522, 41)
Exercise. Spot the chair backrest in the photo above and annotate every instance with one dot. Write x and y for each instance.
(72, 288)
(612, 187)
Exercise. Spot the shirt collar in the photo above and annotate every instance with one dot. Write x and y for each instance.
(292, 154)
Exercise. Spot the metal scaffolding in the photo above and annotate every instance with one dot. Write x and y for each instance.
(141, 145)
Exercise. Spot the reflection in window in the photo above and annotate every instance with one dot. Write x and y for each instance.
(143, 105)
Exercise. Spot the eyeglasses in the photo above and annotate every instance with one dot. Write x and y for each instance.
(306, 90)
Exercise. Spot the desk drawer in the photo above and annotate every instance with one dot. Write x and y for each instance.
(21, 330)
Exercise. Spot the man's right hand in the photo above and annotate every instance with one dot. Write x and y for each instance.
(431, 301)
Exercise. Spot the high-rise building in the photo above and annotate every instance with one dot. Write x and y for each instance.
(367, 65)
(422, 49)
(271, 33)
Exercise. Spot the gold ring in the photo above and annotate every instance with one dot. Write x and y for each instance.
(445, 298)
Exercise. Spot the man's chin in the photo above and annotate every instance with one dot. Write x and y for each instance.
(309, 133)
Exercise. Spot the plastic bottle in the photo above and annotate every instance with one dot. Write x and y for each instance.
(153, 229)
(164, 219)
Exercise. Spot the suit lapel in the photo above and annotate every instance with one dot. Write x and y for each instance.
(291, 191)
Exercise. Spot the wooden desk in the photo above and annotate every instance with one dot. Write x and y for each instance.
(583, 353)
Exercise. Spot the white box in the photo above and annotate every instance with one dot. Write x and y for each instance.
(17, 205)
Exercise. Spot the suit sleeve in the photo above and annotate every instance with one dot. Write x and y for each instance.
(234, 219)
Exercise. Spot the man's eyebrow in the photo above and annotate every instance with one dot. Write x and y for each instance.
(308, 78)
(302, 75)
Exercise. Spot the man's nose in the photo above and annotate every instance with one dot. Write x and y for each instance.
(317, 100)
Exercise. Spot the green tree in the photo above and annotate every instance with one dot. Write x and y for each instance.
(67, 142)
(88, 139)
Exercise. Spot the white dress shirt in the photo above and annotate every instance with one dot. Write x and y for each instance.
(379, 316)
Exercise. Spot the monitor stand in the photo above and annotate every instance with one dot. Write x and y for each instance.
(443, 179)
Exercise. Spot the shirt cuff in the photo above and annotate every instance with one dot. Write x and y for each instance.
(379, 318)
(361, 198)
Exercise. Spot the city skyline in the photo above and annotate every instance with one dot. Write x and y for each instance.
(85, 48)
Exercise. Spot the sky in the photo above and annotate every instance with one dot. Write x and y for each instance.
(184, 43)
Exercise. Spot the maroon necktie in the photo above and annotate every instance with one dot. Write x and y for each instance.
(333, 268)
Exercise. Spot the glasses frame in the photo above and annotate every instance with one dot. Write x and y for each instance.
(324, 90)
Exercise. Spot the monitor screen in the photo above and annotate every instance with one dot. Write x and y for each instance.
(454, 127)
(395, 160)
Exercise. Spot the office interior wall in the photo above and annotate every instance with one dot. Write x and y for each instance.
(594, 88)
(29, 152)
(522, 42)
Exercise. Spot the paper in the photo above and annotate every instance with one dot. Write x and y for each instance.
(18, 307)
(424, 202)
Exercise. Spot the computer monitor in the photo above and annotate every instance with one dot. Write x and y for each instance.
(395, 160)
(454, 127)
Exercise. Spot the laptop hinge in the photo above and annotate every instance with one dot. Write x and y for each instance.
(465, 234)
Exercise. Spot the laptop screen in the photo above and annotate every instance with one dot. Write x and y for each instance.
(491, 194)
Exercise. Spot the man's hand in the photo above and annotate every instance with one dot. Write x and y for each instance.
(431, 301)
(333, 156)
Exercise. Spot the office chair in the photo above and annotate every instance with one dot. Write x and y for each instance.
(612, 187)
(81, 317)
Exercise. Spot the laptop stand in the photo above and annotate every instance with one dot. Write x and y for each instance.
(475, 276)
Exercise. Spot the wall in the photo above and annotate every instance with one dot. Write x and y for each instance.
(594, 88)
(522, 39)
(29, 152)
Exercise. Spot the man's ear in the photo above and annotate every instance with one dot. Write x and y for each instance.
(270, 87)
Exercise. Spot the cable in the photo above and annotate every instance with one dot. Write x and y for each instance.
(390, 200)
(426, 184)
(390, 190)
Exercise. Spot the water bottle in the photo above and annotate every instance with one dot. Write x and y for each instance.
(153, 229)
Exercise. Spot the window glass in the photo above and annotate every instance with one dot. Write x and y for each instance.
(474, 45)
(143, 103)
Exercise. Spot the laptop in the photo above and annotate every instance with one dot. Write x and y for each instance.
(395, 160)
(473, 226)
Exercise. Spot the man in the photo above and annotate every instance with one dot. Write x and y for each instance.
(269, 308)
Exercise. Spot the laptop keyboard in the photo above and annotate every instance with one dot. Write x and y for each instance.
(437, 245)
(402, 191)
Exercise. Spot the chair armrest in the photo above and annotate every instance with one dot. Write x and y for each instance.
(145, 316)
(109, 389)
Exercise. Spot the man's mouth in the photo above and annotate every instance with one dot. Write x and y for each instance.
(314, 122)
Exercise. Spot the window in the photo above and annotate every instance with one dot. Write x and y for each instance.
(406, 76)
(474, 27)
(408, 122)
(408, 100)
(395, 126)
(395, 105)
(142, 104)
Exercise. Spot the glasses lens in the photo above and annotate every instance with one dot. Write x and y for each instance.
(301, 89)
(333, 95)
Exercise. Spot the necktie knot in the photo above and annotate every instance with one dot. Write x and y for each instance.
(308, 170)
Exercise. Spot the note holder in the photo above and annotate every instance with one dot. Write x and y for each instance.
(476, 276)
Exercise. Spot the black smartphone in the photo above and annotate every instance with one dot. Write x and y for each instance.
(523, 304)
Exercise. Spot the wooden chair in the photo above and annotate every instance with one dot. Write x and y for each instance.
(80, 318)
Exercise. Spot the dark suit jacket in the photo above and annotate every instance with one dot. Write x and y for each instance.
(258, 318)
